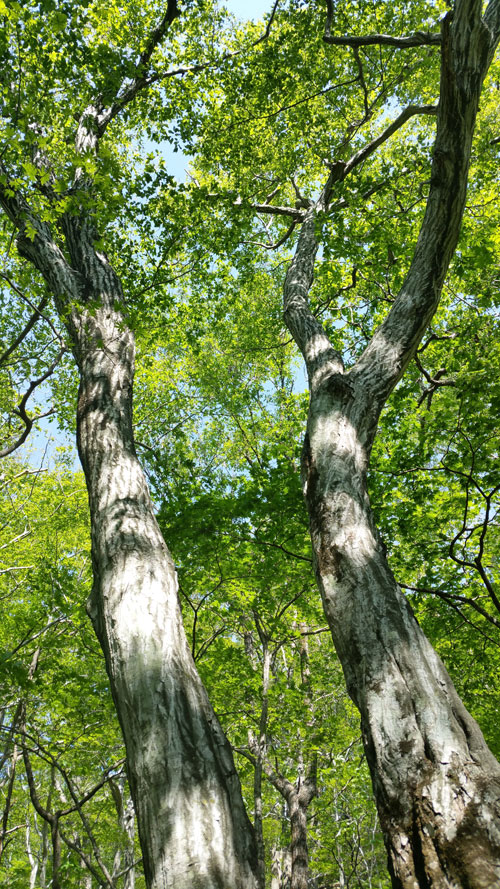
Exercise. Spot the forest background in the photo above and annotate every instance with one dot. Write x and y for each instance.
(220, 407)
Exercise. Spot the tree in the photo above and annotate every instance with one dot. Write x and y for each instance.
(64, 188)
(435, 780)
(259, 642)
(436, 783)
(192, 824)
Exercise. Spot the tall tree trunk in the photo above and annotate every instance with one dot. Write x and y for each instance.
(436, 784)
(259, 835)
(124, 857)
(276, 865)
(259, 747)
(192, 824)
(128, 858)
(298, 797)
(193, 828)
(32, 858)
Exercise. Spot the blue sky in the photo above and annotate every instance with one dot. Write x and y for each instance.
(255, 9)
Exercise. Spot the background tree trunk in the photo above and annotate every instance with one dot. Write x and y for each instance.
(259, 747)
(298, 799)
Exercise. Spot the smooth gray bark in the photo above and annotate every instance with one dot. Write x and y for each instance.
(33, 860)
(436, 784)
(259, 748)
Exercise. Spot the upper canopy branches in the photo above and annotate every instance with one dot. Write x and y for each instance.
(418, 38)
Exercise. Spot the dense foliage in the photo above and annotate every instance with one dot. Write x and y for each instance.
(220, 404)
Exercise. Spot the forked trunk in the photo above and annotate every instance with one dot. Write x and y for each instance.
(436, 783)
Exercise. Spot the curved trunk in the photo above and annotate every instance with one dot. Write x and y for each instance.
(436, 783)
(192, 823)
(193, 828)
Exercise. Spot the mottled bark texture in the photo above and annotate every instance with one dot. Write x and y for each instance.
(298, 796)
(193, 827)
(437, 785)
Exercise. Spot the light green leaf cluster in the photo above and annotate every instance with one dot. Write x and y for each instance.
(50, 664)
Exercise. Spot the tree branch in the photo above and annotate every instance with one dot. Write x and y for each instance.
(142, 81)
(320, 357)
(449, 597)
(280, 242)
(36, 309)
(419, 38)
(283, 549)
(371, 147)
(25, 331)
(21, 408)
(393, 344)
(35, 243)
(491, 19)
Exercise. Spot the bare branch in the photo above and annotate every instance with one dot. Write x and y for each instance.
(362, 81)
(278, 243)
(37, 309)
(15, 568)
(53, 818)
(318, 94)
(157, 36)
(7, 803)
(25, 331)
(371, 147)
(206, 645)
(272, 210)
(283, 549)
(21, 408)
(75, 847)
(434, 382)
(28, 639)
(448, 597)
(419, 38)
(25, 533)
